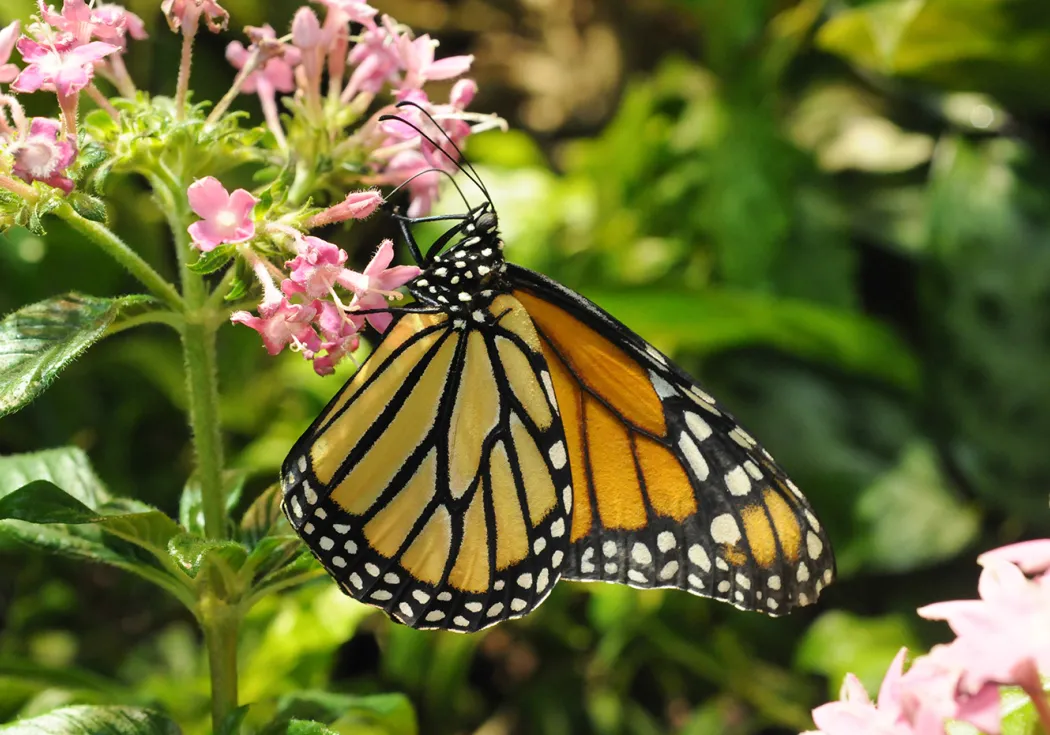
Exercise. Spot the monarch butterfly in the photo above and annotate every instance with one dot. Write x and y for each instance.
(507, 433)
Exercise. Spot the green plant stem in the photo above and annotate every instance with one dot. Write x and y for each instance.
(221, 622)
(120, 252)
(202, 387)
(169, 318)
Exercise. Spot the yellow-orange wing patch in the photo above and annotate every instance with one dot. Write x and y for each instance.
(669, 491)
(436, 484)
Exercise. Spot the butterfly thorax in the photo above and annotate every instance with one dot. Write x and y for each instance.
(467, 275)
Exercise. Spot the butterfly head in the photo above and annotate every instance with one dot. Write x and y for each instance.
(466, 275)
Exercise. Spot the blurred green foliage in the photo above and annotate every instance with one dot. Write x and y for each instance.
(834, 214)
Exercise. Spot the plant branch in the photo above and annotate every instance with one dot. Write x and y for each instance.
(182, 87)
(220, 622)
(169, 318)
(120, 252)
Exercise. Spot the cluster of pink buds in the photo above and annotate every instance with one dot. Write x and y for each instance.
(1002, 639)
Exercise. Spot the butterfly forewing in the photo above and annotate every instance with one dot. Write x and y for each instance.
(436, 485)
(670, 491)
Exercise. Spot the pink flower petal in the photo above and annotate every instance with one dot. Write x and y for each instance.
(207, 197)
(1033, 557)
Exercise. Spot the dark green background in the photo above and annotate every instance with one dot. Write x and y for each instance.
(836, 215)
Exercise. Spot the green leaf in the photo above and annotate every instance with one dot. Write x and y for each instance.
(95, 721)
(213, 260)
(910, 517)
(840, 642)
(67, 467)
(62, 677)
(42, 501)
(346, 713)
(193, 553)
(88, 207)
(38, 341)
(191, 502)
(308, 727)
(264, 516)
(715, 320)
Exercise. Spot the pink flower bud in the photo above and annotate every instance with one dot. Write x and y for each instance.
(306, 30)
(357, 205)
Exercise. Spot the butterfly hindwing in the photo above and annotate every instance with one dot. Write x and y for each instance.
(435, 484)
(669, 490)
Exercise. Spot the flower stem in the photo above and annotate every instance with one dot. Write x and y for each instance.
(198, 346)
(182, 87)
(120, 252)
(220, 622)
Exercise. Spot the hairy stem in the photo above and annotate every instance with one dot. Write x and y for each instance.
(182, 87)
(118, 250)
(198, 346)
(221, 622)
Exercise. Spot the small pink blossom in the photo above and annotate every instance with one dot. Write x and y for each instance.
(856, 714)
(378, 276)
(286, 324)
(355, 11)
(65, 69)
(423, 182)
(933, 692)
(226, 218)
(186, 12)
(275, 75)
(1031, 557)
(376, 60)
(8, 37)
(39, 155)
(82, 22)
(317, 267)
(417, 59)
(357, 205)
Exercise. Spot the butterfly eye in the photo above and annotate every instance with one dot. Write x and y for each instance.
(487, 223)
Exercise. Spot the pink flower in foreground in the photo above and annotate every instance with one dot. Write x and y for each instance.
(933, 692)
(286, 324)
(1004, 637)
(226, 218)
(856, 714)
(8, 37)
(185, 12)
(39, 155)
(317, 267)
(377, 283)
(64, 69)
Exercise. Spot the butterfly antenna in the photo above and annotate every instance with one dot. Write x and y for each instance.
(455, 147)
(470, 174)
(435, 169)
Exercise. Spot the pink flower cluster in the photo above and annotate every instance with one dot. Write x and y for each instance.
(383, 56)
(1003, 638)
(306, 311)
(63, 51)
(306, 314)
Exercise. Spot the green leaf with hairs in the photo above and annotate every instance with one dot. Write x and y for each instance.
(38, 341)
(95, 721)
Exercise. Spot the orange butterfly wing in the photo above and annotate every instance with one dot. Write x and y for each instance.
(669, 490)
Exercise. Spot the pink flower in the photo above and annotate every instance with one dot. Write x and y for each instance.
(282, 325)
(412, 166)
(1032, 557)
(276, 74)
(355, 11)
(226, 218)
(39, 155)
(933, 691)
(82, 22)
(8, 37)
(417, 59)
(357, 205)
(65, 69)
(182, 12)
(376, 59)
(856, 714)
(378, 282)
(317, 267)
